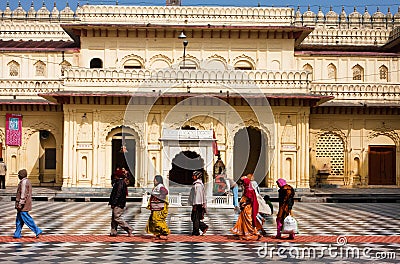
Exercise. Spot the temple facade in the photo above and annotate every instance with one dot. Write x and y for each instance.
(310, 97)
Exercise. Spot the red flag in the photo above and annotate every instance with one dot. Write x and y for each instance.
(214, 145)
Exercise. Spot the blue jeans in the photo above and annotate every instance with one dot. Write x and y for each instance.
(235, 191)
(24, 218)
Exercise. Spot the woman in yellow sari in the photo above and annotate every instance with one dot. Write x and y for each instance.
(158, 204)
(247, 225)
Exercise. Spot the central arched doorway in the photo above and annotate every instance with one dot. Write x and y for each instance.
(183, 166)
(250, 154)
(124, 154)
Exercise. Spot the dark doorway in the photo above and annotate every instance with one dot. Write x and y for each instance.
(249, 154)
(382, 165)
(124, 157)
(183, 166)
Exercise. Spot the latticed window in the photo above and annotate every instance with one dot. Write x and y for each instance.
(330, 149)
(358, 73)
(332, 72)
(40, 68)
(383, 73)
(14, 68)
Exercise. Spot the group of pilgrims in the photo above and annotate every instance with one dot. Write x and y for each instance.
(252, 208)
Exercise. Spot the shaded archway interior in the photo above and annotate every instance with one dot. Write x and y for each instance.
(250, 154)
(124, 154)
(183, 166)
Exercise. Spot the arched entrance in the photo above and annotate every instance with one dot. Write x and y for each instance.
(183, 166)
(41, 158)
(250, 154)
(124, 154)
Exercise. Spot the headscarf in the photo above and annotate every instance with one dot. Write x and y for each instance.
(251, 194)
(197, 174)
(281, 182)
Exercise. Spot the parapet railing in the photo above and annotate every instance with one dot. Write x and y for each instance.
(149, 80)
(29, 87)
(362, 91)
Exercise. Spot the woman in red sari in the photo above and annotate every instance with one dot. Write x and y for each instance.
(247, 225)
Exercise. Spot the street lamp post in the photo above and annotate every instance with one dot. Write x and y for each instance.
(185, 43)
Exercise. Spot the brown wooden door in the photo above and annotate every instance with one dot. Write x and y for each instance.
(382, 165)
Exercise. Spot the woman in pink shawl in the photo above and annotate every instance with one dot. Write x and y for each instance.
(286, 201)
(247, 225)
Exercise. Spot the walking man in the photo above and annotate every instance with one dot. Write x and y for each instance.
(197, 199)
(3, 171)
(23, 204)
(118, 202)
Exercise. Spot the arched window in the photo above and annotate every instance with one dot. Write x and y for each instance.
(243, 65)
(65, 65)
(13, 67)
(332, 72)
(40, 68)
(307, 67)
(383, 73)
(96, 63)
(133, 64)
(358, 73)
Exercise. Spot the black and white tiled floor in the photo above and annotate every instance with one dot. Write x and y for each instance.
(60, 218)
(314, 219)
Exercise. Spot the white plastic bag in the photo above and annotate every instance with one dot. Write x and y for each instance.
(290, 225)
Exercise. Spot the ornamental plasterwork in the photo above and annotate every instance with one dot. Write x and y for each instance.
(385, 131)
(160, 57)
(244, 57)
(233, 129)
(35, 127)
(117, 120)
(131, 57)
(191, 58)
(329, 130)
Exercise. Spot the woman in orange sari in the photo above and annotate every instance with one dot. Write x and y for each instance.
(247, 225)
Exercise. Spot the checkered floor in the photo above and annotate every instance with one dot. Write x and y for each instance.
(314, 219)
(58, 218)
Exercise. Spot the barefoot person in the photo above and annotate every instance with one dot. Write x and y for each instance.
(158, 205)
(23, 204)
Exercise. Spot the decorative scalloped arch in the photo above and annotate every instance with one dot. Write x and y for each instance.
(190, 58)
(245, 58)
(119, 122)
(41, 125)
(131, 57)
(160, 57)
(385, 131)
(330, 130)
(250, 122)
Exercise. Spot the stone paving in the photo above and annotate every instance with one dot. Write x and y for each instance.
(78, 233)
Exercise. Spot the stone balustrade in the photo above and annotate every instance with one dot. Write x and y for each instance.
(11, 30)
(207, 80)
(326, 36)
(187, 14)
(29, 87)
(358, 92)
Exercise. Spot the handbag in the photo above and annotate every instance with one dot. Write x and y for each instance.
(290, 225)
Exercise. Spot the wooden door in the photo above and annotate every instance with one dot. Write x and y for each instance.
(382, 165)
